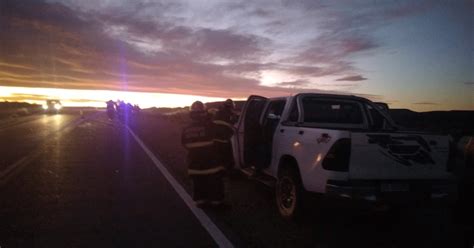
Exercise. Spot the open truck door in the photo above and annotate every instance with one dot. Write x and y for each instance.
(248, 134)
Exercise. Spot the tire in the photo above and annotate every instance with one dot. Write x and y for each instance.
(289, 194)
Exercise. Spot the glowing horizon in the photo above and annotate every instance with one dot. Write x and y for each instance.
(97, 98)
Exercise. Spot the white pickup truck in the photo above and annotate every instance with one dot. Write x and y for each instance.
(338, 145)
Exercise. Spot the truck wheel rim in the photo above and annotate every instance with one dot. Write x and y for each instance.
(287, 194)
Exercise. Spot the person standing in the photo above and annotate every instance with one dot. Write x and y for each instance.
(227, 112)
(203, 164)
(224, 120)
(110, 109)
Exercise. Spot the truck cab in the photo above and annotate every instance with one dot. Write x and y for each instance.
(339, 146)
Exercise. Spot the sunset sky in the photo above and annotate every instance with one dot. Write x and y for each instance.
(410, 54)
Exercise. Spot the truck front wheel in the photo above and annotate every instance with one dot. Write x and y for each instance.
(289, 193)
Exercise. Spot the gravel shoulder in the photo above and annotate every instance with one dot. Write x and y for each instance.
(253, 220)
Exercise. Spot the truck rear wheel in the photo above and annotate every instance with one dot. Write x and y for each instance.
(289, 194)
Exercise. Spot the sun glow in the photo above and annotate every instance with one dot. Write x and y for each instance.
(97, 98)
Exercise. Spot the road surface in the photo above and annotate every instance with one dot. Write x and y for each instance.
(90, 185)
(68, 181)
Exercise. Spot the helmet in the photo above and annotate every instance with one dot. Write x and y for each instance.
(197, 112)
(229, 104)
(197, 106)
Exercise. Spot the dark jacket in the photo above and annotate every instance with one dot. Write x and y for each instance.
(223, 133)
(198, 139)
(227, 115)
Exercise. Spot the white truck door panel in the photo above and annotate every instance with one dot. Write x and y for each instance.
(310, 148)
(398, 156)
(282, 146)
(251, 112)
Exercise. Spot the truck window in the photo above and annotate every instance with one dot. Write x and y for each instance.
(294, 113)
(377, 121)
(276, 108)
(317, 110)
(270, 123)
(254, 111)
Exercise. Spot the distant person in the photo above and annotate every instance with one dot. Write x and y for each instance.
(224, 120)
(110, 109)
(203, 165)
(122, 110)
(136, 109)
(227, 112)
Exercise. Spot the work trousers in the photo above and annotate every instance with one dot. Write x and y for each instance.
(208, 187)
(226, 157)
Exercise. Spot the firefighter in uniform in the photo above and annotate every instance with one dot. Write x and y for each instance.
(224, 120)
(203, 164)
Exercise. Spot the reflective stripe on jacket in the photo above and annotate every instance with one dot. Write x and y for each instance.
(198, 144)
(198, 139)
(221, 122)
(223, 134)
(209, 171)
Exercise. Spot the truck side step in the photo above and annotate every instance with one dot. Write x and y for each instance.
(261, 178)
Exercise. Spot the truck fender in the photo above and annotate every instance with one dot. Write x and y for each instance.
(288, 161)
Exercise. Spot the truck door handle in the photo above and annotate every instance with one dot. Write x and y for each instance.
(301, 132)
(282, 130)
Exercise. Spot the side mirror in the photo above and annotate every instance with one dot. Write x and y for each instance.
(273, 117)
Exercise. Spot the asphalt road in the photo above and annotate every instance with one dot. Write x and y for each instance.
(67, 181)
(88, 185)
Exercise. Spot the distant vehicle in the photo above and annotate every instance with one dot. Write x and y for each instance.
(339, 146)
(52, 106)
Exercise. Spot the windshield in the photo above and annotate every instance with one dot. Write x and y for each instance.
(331, 111)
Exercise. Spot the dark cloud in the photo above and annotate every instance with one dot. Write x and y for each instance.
(203, 43)
(75, 52)
(225, 44)
(296, 83)
(261, 12)
(145, 46)
(305, 4)
(407, 9)
(425, 103)
(352, 78)
(351, 33)
(334, 49)
(469, 83)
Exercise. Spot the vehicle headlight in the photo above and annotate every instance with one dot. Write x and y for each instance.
(57, 106)
(45, 107)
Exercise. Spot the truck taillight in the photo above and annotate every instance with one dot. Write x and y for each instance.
(337, 159)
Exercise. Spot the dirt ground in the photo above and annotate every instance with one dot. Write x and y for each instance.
(253, 220)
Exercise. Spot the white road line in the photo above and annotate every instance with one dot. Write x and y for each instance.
(220, 239)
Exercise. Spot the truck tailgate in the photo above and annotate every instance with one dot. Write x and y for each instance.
(388, 156)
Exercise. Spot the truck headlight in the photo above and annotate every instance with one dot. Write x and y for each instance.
(57, 106)
(44, 106)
